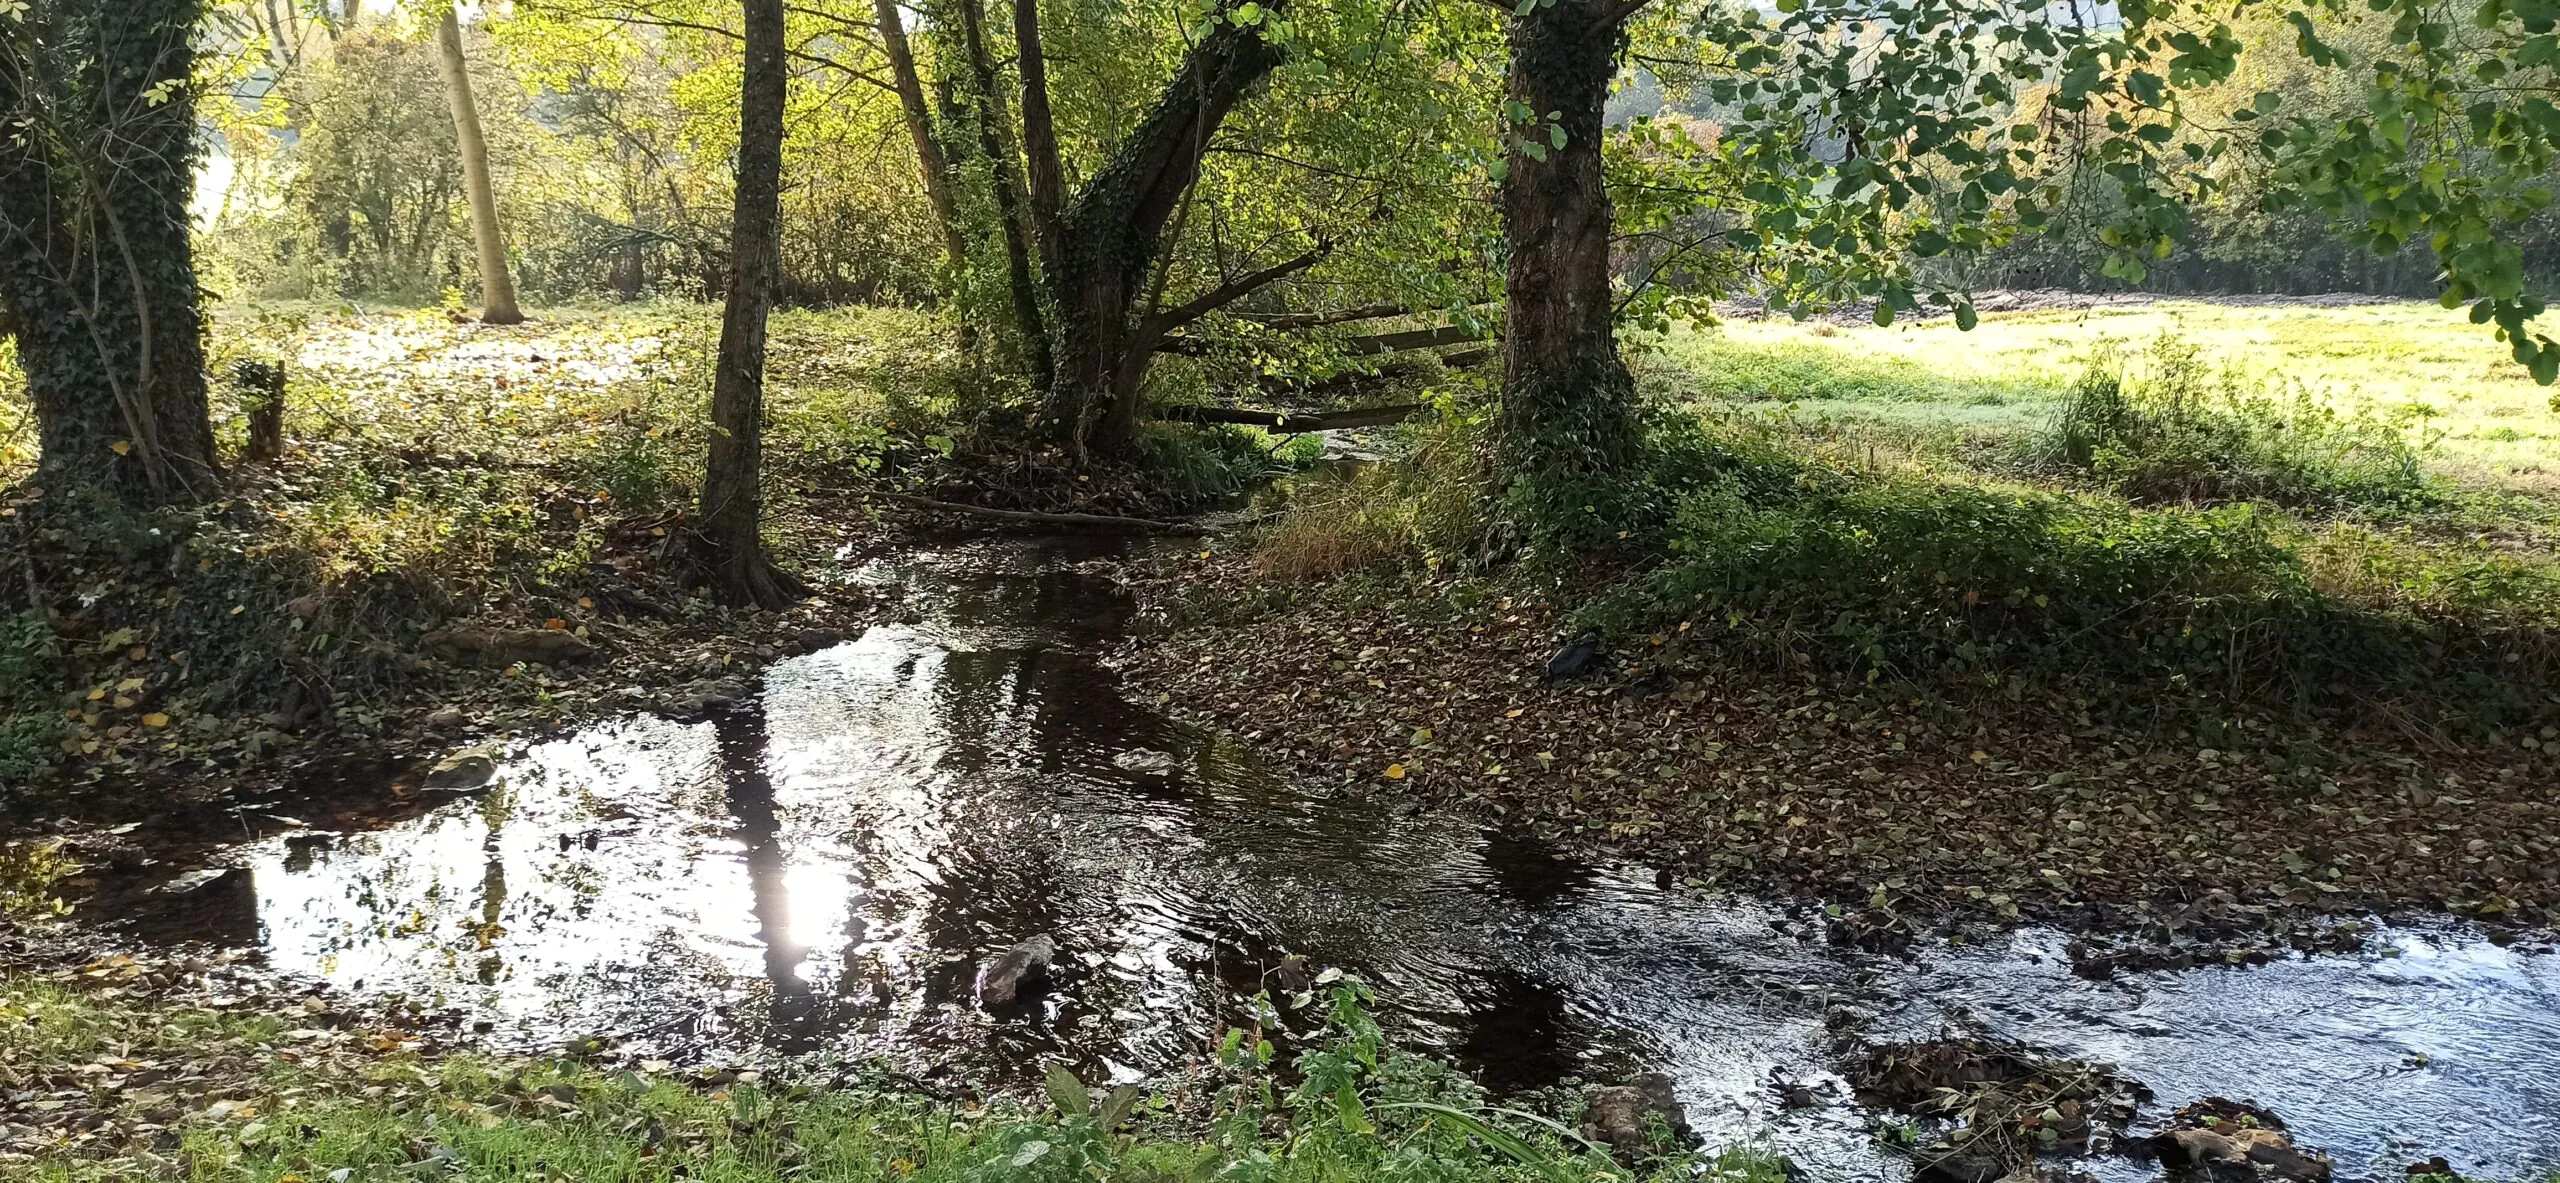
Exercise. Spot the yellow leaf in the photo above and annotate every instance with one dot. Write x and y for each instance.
(1395, 772)
(129, 685)
(120, 447)
(155, 719)
(98, 693)
(1513, 713)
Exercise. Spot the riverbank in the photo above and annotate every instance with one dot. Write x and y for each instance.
(1815, 782)
(2193, 654)
(175, 1068)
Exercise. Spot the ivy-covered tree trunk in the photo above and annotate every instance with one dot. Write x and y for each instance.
(497, 285)
(97, 163)
(1109, 235)
(730, 534)
(1567, 418)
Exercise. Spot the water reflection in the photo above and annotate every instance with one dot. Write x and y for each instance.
(823, 871)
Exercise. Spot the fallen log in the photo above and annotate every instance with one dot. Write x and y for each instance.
(1290, 321)
(1038, 517)
(1291, 423)
(1412, 339)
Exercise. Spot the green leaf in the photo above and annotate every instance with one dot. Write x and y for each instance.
(1347, 1101)
(1066, 1092)
(1117, 1107)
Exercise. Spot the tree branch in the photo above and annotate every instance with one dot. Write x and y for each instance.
(1156, 326)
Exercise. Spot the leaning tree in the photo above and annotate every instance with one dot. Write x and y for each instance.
(97, 164)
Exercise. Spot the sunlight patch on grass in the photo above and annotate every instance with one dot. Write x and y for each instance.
(2013, 369)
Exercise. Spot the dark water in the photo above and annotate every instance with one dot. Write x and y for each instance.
(819, 876)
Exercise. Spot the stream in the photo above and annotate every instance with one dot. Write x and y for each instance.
(818, 874)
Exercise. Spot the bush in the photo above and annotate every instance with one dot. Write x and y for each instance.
(2166, 430)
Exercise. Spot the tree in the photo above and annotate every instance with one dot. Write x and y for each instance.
(97, 164)
(497, 286)
(730, 534)
(1103, 244)
(987, 104)
(1866, 137)
(930, 165)
(1566, 422)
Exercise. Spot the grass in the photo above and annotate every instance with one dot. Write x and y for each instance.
(2015, 370)
(119, 1084)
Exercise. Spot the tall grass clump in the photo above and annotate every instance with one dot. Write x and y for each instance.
(1424, 506)
(2163, 428)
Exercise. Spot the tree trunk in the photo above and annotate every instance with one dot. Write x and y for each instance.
(1566, 425)
(992, 140)
(732, 545)
(1108, 238)
(497, 287)
(929, 161)
(1039, 133)
(95, 178)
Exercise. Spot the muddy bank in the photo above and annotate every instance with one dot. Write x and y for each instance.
(1812, 783)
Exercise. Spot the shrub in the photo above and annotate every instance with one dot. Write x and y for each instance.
(2167, 430)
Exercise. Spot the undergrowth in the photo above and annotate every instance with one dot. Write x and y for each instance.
(529, 478)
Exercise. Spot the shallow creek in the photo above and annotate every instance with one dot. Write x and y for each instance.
(817, 875)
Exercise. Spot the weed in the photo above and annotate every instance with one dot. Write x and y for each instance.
(1198, 465)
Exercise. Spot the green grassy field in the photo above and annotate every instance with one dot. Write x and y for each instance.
(2450, 379)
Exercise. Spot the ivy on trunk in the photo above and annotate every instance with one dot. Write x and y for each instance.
(1566, 429)
(97, 163)
(1100, 248)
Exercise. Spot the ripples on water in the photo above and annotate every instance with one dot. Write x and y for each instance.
(821, 874)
